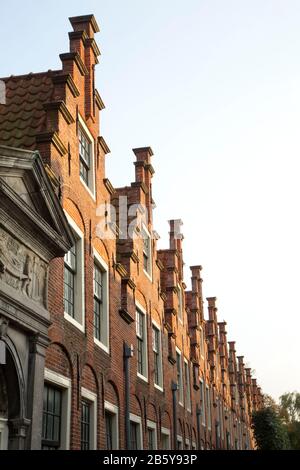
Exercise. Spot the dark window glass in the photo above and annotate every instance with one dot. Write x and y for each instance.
(134, 435)
(151, 439)
(98, 304)
(84, 156)
(69, 281)
(109, 419)
(140, 343)
(51, 418)
(85, 424)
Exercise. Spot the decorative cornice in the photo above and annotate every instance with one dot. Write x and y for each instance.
(85, 19)
(121, 269)
(160, 265)
(77, 59)
(98, 100)
(103, 145)
(126, 316)
(109, 186)
(68, 80)
(53, 138)
(90, 42)
(140, 184)
(62, 108)
(78, 35)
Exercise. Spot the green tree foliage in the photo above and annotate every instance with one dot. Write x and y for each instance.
(269, 431)
(290, 414)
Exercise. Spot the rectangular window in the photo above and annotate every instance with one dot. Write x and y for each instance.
(202, 402)
(202, 343)
(101, 304)
(179, 377)
(74, 279)
(187, 444)
(85, 424)
(208, 407)
(69, 281)
(188, 385)
(152, 435)
(157, 353)
(141, 334)
(147, 262)
(179, 443)
(56, 411)
(136, 436)
(111, 426)
(84, 155)
(52, 410)
(165, 439)
(180, 303)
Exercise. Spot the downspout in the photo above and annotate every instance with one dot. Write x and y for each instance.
(174, 388)
(127, 356)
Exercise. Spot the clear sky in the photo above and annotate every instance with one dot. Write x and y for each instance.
(214, 87)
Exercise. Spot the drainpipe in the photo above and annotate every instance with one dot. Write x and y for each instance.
(128, 352)
(198, 415)
(174, 388)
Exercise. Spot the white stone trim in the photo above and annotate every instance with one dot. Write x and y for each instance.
(103, 265)
(92, 398)
(79, 302)
(92, 192)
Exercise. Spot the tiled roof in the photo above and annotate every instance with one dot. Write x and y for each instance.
(23, 115)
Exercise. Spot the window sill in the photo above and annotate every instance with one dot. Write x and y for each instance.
(93, 196)
(101, 345)
(147, 275)
(74, 322)
(158, 388)
(142, 377)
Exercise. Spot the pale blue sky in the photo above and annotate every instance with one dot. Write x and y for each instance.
(214, 87)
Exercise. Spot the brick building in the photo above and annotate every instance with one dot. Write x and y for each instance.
(133, 360)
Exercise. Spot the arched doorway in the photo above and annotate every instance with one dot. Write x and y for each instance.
(10, 409)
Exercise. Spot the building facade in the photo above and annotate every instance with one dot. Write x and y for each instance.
(132, 358)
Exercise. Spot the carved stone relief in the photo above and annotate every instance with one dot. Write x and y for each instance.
(21, 269)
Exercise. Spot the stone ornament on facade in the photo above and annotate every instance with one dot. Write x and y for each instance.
(21, 269)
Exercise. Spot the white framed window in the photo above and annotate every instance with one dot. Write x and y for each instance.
(165, 439)
(188, 385)
(141, 337)
(202, 343)
(157, 356)
(101, 302)
(74, 305)
(56, 411)
(194, 445)
(147, 251)
(187, 444)
(202, 402)
(208, 407)
(152, 435)
(111, 426)
(88, 420)
(179, 376)
(86, 146)
(179, 442)
(136, 433)
(180, 303)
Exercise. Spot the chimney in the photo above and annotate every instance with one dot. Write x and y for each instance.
(143, 175)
